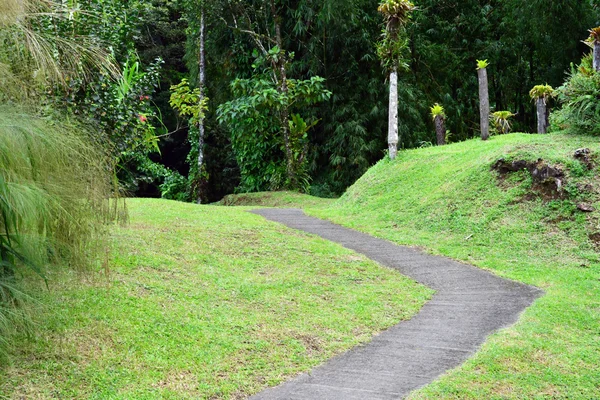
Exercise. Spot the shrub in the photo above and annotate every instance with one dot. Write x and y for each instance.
(580, 100)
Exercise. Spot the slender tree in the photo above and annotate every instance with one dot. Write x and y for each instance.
(263, 25)
(262, 22)
(484, 99)
(439, 119)
(396, 14)
(201, 103)
(540, 94)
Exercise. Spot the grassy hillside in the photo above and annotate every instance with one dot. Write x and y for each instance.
(448, 201)
(203, 302)
(283, 199)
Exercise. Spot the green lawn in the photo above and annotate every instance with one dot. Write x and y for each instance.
(447, 201)
(203, 302)
(214, 302)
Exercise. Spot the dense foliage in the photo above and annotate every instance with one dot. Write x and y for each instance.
(335, 40)
(332, 39)
(259, 146)
(580, 112)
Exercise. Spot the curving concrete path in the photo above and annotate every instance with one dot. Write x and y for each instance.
(470, 304)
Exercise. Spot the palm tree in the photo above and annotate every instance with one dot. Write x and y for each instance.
(396, 14)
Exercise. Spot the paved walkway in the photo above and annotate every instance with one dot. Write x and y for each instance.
(470, 304)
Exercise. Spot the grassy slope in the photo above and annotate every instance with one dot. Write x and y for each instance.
(274, 199)
(447, 201)
(204, 302)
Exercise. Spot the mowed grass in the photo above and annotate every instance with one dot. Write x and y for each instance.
(203, 302)
(447, 201)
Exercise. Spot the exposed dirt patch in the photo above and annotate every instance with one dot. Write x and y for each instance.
(585, 157)
(585, 207)
(179, 382)
(595, 238)
(313, 344)
(548, 180)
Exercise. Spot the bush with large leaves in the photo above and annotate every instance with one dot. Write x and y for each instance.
(253, 118)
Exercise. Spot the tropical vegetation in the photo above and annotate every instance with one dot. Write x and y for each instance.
(208, 100)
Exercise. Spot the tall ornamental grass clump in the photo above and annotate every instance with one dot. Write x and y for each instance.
(54, 189)
(38, 47)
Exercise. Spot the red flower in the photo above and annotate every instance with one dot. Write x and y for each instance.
(142, 118)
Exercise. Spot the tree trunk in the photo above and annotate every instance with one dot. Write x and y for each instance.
(201, 84)
(484, 103)
(542, 116)
(440, 130)
(285, 127)
(597, 56)
(393, 115)
(284, 114)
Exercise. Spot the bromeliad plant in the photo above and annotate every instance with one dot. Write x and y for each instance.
(437, 111)
(501, 121)
(544, 92)
(540, 94)
(482, 64)
(594, 42)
